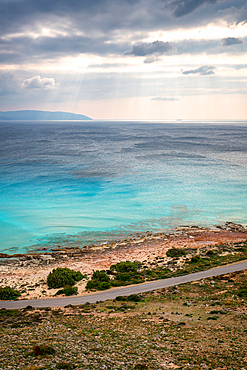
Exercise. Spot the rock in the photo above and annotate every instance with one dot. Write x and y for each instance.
(45, 257)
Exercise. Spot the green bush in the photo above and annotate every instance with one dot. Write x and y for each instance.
(242, 292)
(8, 293)
(117, 283)
(100, 281)
(175, 252)
(126, 273)
(134, 298)
(196, 259)
(68, 290)
(62, 276)
(121, 298)
(211, 253)
(125, 266)
(100, 276)
(64, 365)
(98, 285)
(104, 285)
(92, 284)
(123, 276)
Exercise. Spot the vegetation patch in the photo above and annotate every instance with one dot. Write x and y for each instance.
(126, 273)
(64, 365)
(68, 290)
(43, 349)
(99, 281)
(158, 332)
(7, 294)
(175, 252)
(62, 276)
(242, 292)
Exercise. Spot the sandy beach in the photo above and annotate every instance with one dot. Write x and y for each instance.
(28, 273)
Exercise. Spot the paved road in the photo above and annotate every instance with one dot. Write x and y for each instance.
(113, 293)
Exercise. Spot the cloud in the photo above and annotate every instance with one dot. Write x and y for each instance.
(8, 84)
(39, 83)
(239, 66)
(163, 98)
(185, 7)
(32, 31)
(228, 41)
(149, 48)
(203, 71)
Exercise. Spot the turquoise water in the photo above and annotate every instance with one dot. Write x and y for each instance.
(64, 183)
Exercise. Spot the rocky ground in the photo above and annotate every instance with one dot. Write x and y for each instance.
(201, 325)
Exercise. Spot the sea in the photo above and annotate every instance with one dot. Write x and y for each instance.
(76, 183)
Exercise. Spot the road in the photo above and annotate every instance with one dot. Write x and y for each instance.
(131, 289)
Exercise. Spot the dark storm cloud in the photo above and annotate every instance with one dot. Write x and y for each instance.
(185, 7)
(203, 71)
(107, 15)
(20, 49)
(149, 48)
(80, 14)
(228, 41)
(97, 27)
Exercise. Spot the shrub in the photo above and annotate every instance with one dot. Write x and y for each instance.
(125, 266)
(117, 283)
(100, 280)
(43, 349)
(175, 252)
(8, 293)
(242, 292)
(104, 285)
(62, 276)
(123, 276)
(68, 290)
(92, 284)
(64, 365)
(100, 276)
(196, 259)
(211, 253)
(134, 298)
(99, 285)
(121, 298)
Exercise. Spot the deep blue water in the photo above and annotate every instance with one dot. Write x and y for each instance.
(77, 182)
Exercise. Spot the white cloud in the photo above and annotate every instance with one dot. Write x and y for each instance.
(39, 83)
(163, 98)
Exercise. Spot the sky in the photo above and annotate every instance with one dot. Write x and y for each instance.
(125, 59)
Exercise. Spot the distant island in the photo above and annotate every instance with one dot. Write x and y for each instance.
(40, 115)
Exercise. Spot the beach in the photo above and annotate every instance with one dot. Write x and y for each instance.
(28, 272)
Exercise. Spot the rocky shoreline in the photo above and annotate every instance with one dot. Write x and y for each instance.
(34, 259)
(28, 272)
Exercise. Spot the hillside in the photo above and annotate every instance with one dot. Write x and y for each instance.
(39, 115)
(198, 326)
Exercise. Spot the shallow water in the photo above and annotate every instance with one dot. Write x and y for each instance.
(78, 182)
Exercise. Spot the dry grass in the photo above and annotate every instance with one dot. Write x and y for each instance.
(194, 326)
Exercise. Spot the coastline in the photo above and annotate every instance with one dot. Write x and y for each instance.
(28, 272)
